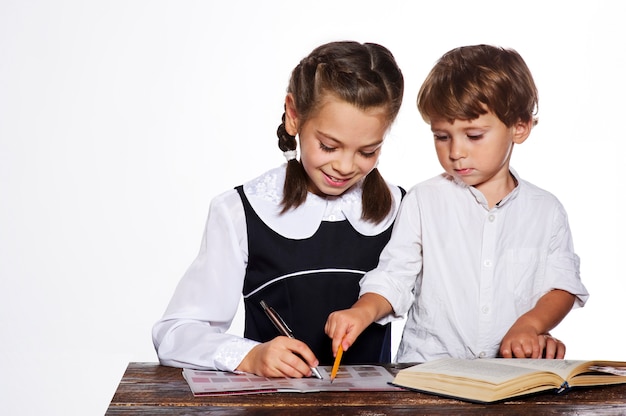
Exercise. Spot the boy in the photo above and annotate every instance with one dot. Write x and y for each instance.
(482, 260)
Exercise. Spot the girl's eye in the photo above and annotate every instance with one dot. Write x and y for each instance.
(474, 136)
(440, 137)
(326, 148)
(368, 155)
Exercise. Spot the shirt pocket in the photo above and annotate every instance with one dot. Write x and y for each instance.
(524, 272)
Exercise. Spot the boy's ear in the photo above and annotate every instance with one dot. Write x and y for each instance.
(291, 115)
(521, 131)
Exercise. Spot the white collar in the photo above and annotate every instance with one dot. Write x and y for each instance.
(266, 192)
(480, 198)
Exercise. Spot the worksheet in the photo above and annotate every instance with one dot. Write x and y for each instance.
(349, 378)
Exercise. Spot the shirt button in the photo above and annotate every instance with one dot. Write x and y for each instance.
(492, 218)
(487, 263)
(332, 217)
(482, 354)
(485, 309)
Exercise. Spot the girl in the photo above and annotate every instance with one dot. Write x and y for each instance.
(300, 236)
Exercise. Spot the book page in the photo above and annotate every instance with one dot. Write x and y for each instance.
(491, 371)
(563, 368)
(618, 371)
(349, 378)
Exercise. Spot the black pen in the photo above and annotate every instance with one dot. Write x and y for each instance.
(283, 329)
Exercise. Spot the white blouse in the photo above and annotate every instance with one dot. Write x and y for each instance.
(192, 332)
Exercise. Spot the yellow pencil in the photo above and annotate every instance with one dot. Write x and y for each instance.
(333, 373)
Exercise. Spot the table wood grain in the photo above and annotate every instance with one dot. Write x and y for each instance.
(152, 389)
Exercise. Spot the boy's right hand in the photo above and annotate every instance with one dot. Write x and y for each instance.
(280, 357)
(346, 325)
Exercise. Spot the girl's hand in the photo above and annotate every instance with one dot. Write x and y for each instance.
(280, 357)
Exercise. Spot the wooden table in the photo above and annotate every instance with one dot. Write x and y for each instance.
(151, 389)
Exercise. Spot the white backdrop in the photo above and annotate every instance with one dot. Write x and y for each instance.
(120, 120)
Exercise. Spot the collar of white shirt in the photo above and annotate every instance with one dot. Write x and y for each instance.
(266, 191)
(480, 198)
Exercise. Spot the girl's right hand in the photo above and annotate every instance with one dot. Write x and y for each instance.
(280, 357)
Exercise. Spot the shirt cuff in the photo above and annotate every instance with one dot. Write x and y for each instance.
(230, 354)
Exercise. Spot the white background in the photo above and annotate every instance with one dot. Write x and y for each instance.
(120, 120)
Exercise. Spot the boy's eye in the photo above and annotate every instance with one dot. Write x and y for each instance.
(440, 136)
(474, 136)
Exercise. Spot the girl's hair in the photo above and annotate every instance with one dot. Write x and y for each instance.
(471, 80)
(364, 75)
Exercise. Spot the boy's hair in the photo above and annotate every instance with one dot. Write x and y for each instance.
(469, 81)
(364, 75)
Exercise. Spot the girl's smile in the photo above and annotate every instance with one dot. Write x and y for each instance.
(333, 181)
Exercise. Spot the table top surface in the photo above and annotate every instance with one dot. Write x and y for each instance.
(149, 388)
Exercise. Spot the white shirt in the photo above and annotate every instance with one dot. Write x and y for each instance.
(192, 332)
(465, 272)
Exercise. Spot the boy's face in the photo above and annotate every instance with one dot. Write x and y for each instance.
(478, 151)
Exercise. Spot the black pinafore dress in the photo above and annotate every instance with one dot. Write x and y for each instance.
(305, 280)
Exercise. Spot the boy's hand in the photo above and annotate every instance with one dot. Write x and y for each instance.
(345, 326)
(554, 348)
(529, 337)
(280, 357)
(524, 342)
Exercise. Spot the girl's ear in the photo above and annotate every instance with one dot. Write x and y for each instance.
(291, 115)
(521, 131)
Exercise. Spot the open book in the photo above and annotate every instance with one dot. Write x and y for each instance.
(495, 379)
(349, 378)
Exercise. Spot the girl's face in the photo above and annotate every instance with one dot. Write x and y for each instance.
(339, 144)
